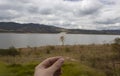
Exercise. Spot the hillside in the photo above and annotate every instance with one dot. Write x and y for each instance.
(27, 28)
(12, 27)
(81, 31)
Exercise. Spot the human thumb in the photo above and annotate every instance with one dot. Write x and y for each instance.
(57, 65)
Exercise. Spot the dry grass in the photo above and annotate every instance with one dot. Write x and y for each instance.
(100, 57)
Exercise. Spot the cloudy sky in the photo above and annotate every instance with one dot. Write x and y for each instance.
(80, 14)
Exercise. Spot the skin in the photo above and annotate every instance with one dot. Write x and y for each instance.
(50, 67)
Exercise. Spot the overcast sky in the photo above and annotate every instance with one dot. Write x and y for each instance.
(80, 14)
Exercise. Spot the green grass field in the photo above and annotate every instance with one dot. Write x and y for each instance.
(69, 69)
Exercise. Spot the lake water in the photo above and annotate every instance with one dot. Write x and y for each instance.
(34, 40)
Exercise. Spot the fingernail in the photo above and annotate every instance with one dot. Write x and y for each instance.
(61, 60)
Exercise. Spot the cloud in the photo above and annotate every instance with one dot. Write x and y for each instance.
(109, 21)
(83, 14)
(109, 16)
(90, 6)
(11, 10)
(106, 2)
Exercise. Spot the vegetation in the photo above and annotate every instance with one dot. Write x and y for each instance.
(80, 60)
(69, 69)
(11, 52)
(116, 45)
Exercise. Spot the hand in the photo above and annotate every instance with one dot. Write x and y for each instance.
(49, 67)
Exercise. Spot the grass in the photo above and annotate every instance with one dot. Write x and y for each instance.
(81, 60)
(77, 69)
(4, 70)
(69, 69)
(16, 70)
(22, 70)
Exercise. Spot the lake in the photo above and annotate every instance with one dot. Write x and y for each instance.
(35, 40)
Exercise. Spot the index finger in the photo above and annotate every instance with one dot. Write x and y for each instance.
(48, 62)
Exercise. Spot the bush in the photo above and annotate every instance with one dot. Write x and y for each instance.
(48, 51)
(116, 46)
(11, 52)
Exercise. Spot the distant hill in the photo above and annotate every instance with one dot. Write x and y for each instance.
(12, 27)
(81, 31)
(27, 28)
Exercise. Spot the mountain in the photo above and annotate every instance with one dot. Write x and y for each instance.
(12, 27)
(27, 28)
(81, 31)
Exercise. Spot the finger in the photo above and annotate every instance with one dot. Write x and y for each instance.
(47, 62)
(57, 65)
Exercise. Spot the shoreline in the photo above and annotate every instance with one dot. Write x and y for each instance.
(55, 33)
